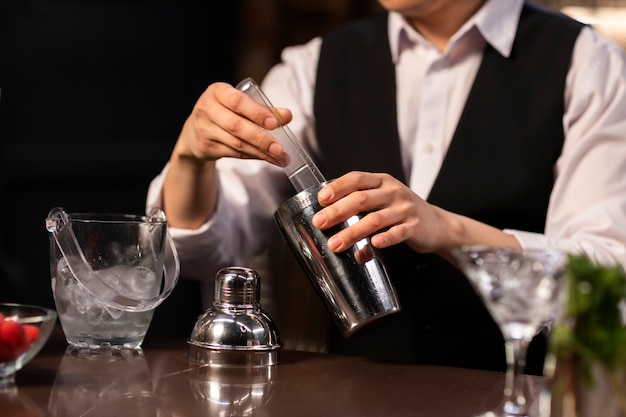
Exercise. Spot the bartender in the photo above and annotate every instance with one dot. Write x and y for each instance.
(450, 123)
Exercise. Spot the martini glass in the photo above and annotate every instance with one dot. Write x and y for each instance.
(520, 288)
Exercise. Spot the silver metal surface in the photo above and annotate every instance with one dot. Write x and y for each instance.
(235, 331)
(232, 391)
(354, 284)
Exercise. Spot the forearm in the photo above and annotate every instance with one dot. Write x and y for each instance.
(463, 231)
(189, 191)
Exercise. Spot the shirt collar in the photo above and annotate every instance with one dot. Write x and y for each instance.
(496, 21)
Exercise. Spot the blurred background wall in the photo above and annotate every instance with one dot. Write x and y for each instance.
(94, 93)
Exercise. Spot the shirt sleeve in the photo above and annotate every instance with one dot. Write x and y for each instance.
(248, 195)
(587, 210)
(199, 254)
(250, 191)
(291, 84)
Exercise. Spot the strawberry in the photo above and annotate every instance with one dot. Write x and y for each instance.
(12, 334)
(31, 332)
(5, 352)
(15, 338)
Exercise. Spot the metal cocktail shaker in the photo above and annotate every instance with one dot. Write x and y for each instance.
(354, 284)
(235, 331)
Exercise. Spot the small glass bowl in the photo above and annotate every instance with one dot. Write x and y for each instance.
(24, 329)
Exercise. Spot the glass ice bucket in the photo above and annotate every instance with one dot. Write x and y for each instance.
(109, 273)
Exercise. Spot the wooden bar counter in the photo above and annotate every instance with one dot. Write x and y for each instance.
(159, 381)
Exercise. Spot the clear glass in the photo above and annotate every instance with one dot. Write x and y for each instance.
(300, 170)
(109, 272)
(521, 289)
(31, 327)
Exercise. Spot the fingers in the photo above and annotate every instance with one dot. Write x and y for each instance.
(347, 184)
(386, 223)
(223, 132)
(387, 207)
(228, 123)
(242, 104)
(353, 193)
(392, 236)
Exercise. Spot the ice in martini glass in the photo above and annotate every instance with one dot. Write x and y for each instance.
(520, 288)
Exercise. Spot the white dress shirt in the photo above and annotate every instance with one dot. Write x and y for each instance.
(587, 210)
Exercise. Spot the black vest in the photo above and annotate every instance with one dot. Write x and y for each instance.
(499, 169)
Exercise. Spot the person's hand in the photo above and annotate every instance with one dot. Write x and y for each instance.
(226, 122)
(395, 214)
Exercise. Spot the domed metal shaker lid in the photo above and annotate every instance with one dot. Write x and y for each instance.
(235, 331)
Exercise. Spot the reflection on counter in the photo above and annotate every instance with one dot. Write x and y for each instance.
(14, 403)
(232, 390)
(160, 381)
(92, 383)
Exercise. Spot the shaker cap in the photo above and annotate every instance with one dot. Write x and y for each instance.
(235, 286)
(235, 331)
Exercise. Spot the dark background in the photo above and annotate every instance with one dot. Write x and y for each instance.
(94, 93)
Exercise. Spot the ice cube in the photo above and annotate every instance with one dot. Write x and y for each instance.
(137, 282)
